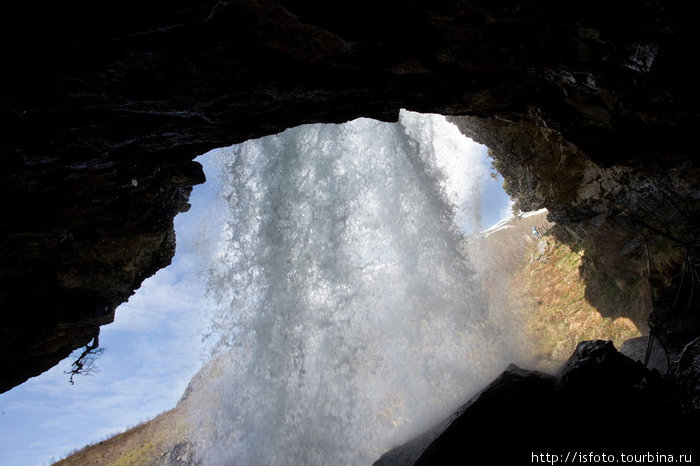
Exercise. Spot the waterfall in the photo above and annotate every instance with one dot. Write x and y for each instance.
(348, 316)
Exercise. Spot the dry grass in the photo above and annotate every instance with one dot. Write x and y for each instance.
(553, 295)
(141, 445)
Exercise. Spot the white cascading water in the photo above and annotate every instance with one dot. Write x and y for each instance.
(349, 319)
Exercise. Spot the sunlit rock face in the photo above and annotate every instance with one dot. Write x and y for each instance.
(105, 105)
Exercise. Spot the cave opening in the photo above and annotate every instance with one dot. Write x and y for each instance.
(364, 178)
(347, 286)
(598, 108)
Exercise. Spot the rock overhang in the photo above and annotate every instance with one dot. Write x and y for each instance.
(105, 108)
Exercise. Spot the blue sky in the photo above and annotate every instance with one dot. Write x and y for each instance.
(152, 349)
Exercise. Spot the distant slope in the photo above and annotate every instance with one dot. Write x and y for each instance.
(160, 441)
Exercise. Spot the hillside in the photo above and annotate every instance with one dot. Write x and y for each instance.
(160, 441)
(541, 281)
(538, 281)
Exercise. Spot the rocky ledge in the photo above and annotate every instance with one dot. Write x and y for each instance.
(601, 403)
(104, 105)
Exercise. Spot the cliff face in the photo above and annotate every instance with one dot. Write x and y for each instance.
(635, 220)
(105, 104)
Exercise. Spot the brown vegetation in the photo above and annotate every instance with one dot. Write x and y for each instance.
(148, 443)
(550, 286)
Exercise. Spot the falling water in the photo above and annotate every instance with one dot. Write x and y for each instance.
(348, 318)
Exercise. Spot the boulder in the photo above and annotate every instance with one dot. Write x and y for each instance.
(600, 402)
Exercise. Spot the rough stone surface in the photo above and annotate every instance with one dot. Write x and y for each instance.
(639, 219)
(182, 454)
(686, 370)
(636, 349)
(602, 402)
(104, 105)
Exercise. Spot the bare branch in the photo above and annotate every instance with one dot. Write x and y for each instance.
(85, 364)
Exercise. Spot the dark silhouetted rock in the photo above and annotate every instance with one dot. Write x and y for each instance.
(636, 349)
(602, 402)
